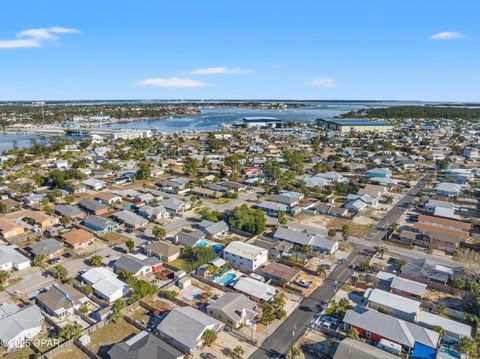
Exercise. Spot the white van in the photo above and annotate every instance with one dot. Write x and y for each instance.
(390, 347)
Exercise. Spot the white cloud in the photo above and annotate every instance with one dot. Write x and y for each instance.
(324, 82)
(12, 44)
(220, 70)
(172, 82)
(35, 37)
(446, 35)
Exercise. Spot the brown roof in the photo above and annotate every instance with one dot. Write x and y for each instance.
(426, 228)
(105, 196)
(8, 202)
(8, 224)
(444, 222)
(77, 236)
(280, 271)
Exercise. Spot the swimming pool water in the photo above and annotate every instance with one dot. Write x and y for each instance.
(202, 243)
(227, 278)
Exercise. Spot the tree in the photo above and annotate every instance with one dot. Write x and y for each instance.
(294, 352)
(65, 220)
(297, 248)
(469, 346)
(441, 309)
(380, 250)
(60, 272)
(364, 266)
(247, 219)
(159, 232)
(143, 171)
(238, 352)
(321, 271)
(332, 233)
(117, 308)
(190, 166)
(69, 331)
(267, 316)
(96, 261)
(283, 282)
(353, 333)
(39, 260)
(4, 277)
(209, 337)
(346, 232)
(130, 244)
(282, 218)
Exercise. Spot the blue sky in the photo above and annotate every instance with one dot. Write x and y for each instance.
(391, 50)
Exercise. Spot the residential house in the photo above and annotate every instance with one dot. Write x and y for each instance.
(255, 289)
(137, 264)
(144, 345)
(10, 258)
(19, 325)
(376, 326)
(206, 192)
(66, 210)
(234, 309)
(94, 207)
(190, 239)
(448, 189)
(108, 198)
(245, 256)
(213, 229)
(95, 184)
(183, 327)
(100, 224)
(130, 219)
(156, 213)
(41, 219)
(272, 208)
(280, 273)
(78, 238)
(10, 228)
(400, 307)
(304, 239)
(61, 300)
(175, 206)
(407, 287)
(355, 349)
(48, 247)
(164, 250)
(105, 283)
(289, 198)
(426, 271)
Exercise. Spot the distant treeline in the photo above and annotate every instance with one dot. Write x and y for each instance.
(417, 112)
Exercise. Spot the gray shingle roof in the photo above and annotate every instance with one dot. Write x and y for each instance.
(186, 325)
(47, 247)
(144, 346)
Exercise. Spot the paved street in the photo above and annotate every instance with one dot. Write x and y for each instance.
(398, 209)
(294, 326)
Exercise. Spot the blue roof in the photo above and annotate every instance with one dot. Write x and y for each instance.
(421, 351)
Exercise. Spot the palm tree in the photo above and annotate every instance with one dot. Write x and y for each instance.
(332, 233)
(238, 352)
(294, 352)
(306, 250)
(297, 248)
(209, 337)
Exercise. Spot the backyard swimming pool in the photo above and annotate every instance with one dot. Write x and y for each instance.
(202, 243)
(227, 278)
(218, 248)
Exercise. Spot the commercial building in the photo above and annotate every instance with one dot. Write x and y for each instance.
(355, 124)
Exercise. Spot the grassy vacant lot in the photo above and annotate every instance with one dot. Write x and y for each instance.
(104, 338)
(24, 352)
(72, 352)
(181, 263)
(114, 238)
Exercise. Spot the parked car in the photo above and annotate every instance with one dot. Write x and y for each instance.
(304, 283)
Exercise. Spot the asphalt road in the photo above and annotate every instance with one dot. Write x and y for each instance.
(294, 326)
(398, 209)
